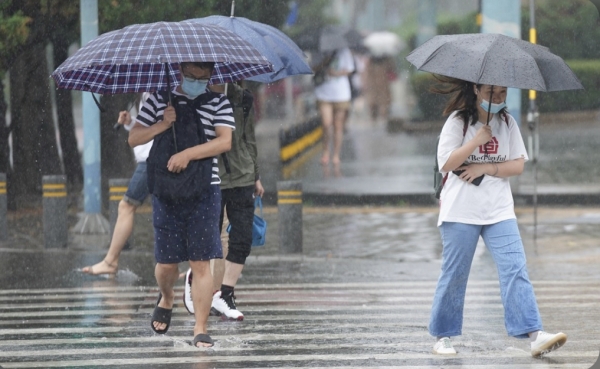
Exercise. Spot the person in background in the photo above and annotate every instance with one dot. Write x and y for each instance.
(137, 192)
(240, 183)
(380, 71)
(478, 139)
(333, 99)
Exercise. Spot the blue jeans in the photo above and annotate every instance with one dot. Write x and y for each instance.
(521, 314)
(137, 191)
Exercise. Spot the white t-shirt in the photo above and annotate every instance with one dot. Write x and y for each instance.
(490, 202)
(337, 89)
(140, 152)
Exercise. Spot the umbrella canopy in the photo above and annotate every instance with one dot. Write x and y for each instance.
(285, 56)
(134, 58)
(383, 43)
(495, 59)
(333, 37)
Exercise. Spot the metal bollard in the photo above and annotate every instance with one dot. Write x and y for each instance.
(289, 204)
(56, 233)
(3, 208)
(117, 188)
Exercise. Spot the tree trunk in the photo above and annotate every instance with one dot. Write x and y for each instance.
(116, 155)
(66, 125)
(35, 151)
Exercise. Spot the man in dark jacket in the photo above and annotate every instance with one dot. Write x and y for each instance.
(240, 183)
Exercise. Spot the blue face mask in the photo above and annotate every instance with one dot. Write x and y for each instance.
(194, 88)
(495, 108)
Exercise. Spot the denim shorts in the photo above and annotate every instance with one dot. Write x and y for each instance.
(187, 229)
(137, 191)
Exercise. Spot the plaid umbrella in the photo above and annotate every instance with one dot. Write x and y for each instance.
(134, 58)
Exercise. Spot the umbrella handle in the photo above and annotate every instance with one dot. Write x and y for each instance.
(170, 103)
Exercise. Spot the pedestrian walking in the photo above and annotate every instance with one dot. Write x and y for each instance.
(479, 156)
(240, 183)
(333, 95)
(137, 192)
(380, 72)
(190, 127)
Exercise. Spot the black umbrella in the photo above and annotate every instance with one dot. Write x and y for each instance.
(329, 38)
(495, 59)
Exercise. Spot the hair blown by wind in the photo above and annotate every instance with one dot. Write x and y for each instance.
(462, 100)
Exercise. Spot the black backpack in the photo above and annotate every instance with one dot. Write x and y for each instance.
(438, 179)
(189, 132)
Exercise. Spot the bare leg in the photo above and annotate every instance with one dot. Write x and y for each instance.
(166, 276)
(326, 111)
(232, 273)
(339, 117)
(123, 229)
(201, 295)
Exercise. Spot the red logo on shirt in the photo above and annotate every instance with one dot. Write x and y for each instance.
(491, 146)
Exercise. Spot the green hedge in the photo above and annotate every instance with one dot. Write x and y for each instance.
(588, 72)
(430, 106)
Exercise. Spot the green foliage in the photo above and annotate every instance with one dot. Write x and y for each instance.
(311, 18)
(14, 31)
(430, 105)
(117, 14)
(569, 28)
(588, 72)
(271, 12)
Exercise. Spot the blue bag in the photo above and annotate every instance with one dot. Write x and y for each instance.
(259, 226)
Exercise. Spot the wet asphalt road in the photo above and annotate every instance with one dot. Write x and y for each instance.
(358, 296)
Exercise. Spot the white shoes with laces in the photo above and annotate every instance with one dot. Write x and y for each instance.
(444, 347)
(546, 342)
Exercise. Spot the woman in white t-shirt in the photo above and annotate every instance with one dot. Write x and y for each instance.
(468, 210)
(333, 97)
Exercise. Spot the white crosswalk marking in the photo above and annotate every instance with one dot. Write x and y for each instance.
(353, 325)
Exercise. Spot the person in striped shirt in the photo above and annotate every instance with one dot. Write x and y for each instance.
(187, 229)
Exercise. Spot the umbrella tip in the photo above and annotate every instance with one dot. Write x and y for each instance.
(232, 7)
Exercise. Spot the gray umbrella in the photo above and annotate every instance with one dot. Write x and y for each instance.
(495, 59)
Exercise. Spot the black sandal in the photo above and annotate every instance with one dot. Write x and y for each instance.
(161, 315)
(203, 338)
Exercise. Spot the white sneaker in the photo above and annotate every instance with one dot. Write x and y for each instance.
(187, 292)
(546, 342)
(225, 306)
(444, 347)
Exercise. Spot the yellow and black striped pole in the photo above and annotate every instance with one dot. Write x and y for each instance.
(55, 211)
(117, 187)
(3, 208)
(289, 206)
